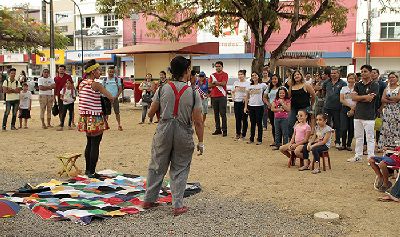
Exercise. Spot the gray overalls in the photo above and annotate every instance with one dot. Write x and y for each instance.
(173, 143)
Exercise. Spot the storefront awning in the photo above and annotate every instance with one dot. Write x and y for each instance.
(319, 62)
(178, 48)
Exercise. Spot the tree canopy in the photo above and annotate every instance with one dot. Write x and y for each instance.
(173, 19)
(17, 32)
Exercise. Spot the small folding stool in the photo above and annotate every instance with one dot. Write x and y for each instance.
(323, 155)
(68, 163)
(292, 160)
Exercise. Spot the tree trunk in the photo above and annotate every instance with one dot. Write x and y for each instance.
(259, 58)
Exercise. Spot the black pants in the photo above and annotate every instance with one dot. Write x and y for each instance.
(219, 107)
(346, 127)
(316, 151)
(271, 117)
(241, 119)
(256, 118)
(92, 153)
(70, 109)
(334, 116)
(61, 112)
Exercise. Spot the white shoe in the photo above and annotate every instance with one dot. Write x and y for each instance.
(355, 159)
(337, 145)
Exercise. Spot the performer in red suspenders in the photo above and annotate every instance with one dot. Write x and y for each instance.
(173, 145)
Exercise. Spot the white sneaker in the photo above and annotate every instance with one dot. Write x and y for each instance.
(337, 145)
(355, 159)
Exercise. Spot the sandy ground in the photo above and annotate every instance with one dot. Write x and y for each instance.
(229, 169)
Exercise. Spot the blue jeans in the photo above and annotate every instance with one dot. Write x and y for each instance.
(281, 131)
(14, 104)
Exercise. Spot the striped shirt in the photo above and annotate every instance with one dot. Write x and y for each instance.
(89, 100)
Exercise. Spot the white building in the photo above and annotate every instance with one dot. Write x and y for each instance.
(385, 36)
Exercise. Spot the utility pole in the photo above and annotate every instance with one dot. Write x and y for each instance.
(80, 15)
(52, 55)
(368, 36)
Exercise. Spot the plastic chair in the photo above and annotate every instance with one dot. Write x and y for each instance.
(292, 160)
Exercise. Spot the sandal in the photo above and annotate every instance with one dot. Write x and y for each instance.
(180, 210)
(148, 205)
(120, 128)
(385, 199)
(304, 168)
(316, 171)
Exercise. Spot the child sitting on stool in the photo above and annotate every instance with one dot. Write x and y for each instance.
(318, 143)
(382, 182)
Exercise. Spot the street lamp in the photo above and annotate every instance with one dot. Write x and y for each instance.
(80, 14)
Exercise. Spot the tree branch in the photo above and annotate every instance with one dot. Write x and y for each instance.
(295, 34)
(193, 19)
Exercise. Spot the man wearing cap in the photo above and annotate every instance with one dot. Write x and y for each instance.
(173, 144)
(217, 84)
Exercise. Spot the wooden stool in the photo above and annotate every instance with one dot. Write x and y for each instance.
(68, 162)
(292, 160)
(323, 155)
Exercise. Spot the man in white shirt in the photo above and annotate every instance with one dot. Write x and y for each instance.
(46, 96)
(11, 89)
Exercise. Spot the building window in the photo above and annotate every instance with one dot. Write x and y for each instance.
(390, 30)
(89, 44)
(111, 43)
(110, 20)
(88, 22)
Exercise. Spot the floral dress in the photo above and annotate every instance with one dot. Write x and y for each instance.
(390, 132)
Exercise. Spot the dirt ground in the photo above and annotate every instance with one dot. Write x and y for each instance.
(229, 169)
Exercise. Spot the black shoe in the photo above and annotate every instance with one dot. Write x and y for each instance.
(341, 148)
(224, 134)
(217, 132)
(13, 128)
(348, 148)
(94, 175)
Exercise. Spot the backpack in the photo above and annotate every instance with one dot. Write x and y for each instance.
(5, 94)
(147, 98)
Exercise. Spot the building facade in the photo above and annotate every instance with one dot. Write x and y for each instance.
(385, 37)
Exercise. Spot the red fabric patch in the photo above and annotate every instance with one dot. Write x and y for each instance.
(167, 199)
(130, 210)
(112, 201)
(136, 201)
(42, 212)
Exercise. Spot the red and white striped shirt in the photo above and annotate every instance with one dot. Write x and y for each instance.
(89, 100)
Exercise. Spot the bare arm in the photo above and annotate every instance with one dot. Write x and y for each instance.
(246, 100)
(310, 90)
(100, 88)
(119, 91)
(343, 101)
(385, 99)
(155, 105)
(324, 141)
(274, 107)
(286, 106)
(197, 117)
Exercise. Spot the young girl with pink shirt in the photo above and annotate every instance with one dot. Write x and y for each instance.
(281, 108)
(302, 132)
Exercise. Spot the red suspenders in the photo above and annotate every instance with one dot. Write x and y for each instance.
(177, 96)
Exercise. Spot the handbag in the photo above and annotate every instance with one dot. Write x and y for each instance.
(55, 110)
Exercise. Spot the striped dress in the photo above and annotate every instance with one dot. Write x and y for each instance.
(91, 114)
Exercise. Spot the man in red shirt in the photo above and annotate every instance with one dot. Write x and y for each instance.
(60, 80)
(217, 84)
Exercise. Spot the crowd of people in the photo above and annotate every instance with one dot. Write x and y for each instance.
(306, 114)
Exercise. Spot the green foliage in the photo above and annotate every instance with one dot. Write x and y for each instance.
(17, 32)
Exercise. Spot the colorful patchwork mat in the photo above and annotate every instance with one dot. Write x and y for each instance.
(82, 199)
